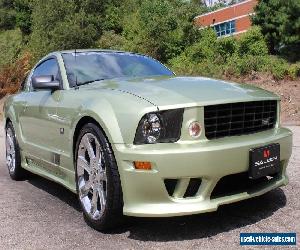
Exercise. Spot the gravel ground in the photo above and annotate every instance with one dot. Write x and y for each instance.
(38, 214)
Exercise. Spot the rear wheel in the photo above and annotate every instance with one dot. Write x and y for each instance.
(97, 179)
(13, 156)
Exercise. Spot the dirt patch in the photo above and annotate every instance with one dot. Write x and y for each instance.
(288, 90)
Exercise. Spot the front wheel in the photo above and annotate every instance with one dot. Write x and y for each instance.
(97, 179)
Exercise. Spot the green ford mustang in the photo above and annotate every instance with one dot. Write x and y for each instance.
(130, 137)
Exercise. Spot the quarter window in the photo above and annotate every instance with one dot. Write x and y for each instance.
(226, 28)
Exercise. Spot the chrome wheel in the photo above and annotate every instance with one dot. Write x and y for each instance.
(10, 151)
(91, 176)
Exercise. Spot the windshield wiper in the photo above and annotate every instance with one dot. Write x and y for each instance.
(90, 81)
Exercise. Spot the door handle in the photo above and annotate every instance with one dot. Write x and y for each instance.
(24, 104)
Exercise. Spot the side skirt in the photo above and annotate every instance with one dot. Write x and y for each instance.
(49, 171)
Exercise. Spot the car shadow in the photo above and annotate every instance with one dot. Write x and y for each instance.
(55, 190)
(227, 218)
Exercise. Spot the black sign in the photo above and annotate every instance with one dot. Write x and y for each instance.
(264, 161)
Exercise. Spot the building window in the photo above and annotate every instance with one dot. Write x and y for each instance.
(226, 28)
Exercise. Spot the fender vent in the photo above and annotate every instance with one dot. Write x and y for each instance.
(56, 158)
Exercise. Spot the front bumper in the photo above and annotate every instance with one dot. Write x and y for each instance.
(145, 193)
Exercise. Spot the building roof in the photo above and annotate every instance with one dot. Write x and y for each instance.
(221, 9)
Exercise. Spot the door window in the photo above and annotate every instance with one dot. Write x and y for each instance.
(48, 67)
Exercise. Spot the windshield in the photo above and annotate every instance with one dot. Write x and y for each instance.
(91, 66)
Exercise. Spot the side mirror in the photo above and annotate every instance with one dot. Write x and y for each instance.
(45, 82)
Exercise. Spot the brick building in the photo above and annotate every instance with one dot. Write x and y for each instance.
(231, 20)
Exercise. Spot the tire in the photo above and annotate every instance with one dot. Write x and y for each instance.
(13, 156)
(97, 179)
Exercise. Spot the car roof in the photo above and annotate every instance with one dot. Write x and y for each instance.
(92, 50)
(56, 53)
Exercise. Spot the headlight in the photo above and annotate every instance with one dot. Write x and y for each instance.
(151, 128)
(158, 127)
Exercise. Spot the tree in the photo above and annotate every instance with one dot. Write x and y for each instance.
(7, 19)
(161, 28)
(16, 13)
(23, 15)
(7, 15)
(280, 23)
(65, 24)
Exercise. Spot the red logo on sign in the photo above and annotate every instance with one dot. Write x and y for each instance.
(266, 153)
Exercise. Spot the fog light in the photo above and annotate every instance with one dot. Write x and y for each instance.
(195, 129)
(142, 165)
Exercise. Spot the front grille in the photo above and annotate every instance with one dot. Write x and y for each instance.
(239, 118)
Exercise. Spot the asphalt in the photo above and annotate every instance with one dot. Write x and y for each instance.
(39, 214)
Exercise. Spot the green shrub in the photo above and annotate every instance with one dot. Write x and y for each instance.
(209, 68)
(239, 66)
(182, 65)
(294, 70)
(232, 57)
(205, 48)
(10, 46)
(111, 40)
(252, 43)
(277, 67)
(226, 47)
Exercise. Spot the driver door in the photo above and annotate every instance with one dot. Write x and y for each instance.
(38, 119)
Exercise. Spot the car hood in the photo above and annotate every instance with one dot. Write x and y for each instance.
(188, 91)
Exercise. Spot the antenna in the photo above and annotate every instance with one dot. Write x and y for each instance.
(76, 83)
